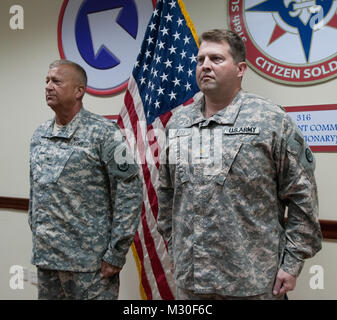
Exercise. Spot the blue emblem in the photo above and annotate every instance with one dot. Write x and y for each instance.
(104, 37)
(127, 19)
(302, 15)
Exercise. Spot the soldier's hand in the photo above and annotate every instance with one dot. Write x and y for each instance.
(284, 282)
(108, 270)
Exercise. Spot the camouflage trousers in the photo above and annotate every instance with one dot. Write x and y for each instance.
(67, 285)
(183, 294)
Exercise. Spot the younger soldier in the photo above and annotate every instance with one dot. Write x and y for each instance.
(233, 163)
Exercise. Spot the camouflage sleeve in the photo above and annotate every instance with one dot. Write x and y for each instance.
(127, 196)
(30, 200)
(298, 190)
(31, 181)
(165, 199)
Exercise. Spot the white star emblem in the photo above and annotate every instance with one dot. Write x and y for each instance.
(190, 72)
(183, 54)
(180, 22)
(158, 58)
(168, 17)
(161, 45)
(149, 40)
(176, 82)
(193, 58)
(172, 4)
(142, 80)
(157, 104)
(172, 95)
(164, 31)
(187, 86)
(172, 49)
(176, 36)
(164, 77)
(168, 63)
(152, 26)
(186, 39)
(180, 68)
(160, 91)
(155, 12)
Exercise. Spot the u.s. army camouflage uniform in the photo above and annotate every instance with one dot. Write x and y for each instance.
(68, 285)
(85, 196)
(222, 203)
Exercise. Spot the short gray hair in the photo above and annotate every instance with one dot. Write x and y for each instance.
(82, 75)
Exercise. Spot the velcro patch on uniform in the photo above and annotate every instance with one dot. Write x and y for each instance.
(298, 138)
(179, 132)
(242, 130)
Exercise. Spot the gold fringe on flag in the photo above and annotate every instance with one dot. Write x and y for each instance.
(188, 21)
(139, 268)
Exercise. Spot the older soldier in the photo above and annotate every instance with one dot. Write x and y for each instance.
(233, 163)
(85, 196)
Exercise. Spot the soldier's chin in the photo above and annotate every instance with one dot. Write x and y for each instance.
(51, 104)
(207, 87)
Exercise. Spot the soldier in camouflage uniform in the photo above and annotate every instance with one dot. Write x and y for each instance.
(232, 164)
(85, 196)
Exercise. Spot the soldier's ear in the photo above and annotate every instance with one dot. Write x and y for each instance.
(80, 91)
(242, 67)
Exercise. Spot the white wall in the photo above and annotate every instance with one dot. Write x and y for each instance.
(15, 250)
(24, 59)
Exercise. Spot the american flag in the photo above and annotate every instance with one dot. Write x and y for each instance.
(163, 79)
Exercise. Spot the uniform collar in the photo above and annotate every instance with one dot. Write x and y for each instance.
(68, 130)
(227, 115)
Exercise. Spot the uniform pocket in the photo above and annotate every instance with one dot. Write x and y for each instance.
(49, 162)
(179, 142)
(229, 154)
